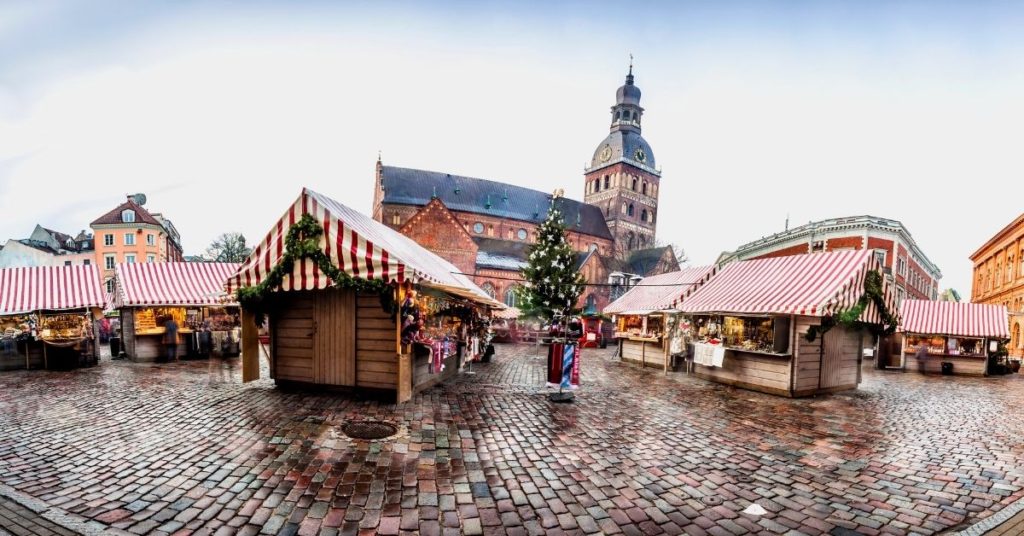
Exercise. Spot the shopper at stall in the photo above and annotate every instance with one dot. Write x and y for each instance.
(171, 339)
(922, 358)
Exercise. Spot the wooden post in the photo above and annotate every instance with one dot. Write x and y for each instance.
(643, 352)
(404, 387)
(250, 348)
(46, 362)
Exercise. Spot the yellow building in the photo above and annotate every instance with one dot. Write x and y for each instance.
(999, 277)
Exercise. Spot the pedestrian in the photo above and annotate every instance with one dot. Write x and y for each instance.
(922, 357)
(171, 339)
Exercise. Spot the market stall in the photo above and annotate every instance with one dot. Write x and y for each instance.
(957, 336)
(792, 326)
(47, 316)
(353, 304)
(647, 319)
(191, 293)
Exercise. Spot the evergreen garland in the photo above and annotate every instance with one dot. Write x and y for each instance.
(552, 282)
(873, 290)
(303, 241)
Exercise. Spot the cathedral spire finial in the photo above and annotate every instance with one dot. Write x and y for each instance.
(630, 64)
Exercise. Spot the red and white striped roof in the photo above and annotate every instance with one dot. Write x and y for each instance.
(357, 245)
(958, 319)
(173, 283)
(50, 288)
(661, 292)
(818, 284)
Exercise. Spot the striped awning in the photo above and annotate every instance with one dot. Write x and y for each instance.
(357, 245)
(819, 284)
(958, 319)
(173, 283)
(50, 288)
(661, 292)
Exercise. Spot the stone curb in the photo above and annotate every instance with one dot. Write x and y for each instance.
(57, 516)
(993, 521)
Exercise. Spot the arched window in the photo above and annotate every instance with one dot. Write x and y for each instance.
(634, 184)
(597, 185)
(624, 207)
(631, 241)
(512, 296)
(488, 288)
(643, 215)
(606, 182)
(629, 212)
(591, 306)
(644, 189)
(652, 215)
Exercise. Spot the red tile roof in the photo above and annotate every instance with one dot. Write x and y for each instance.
(114, 216)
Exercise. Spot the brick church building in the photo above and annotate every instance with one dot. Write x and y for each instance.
(485, 228)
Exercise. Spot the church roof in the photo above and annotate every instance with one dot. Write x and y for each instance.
(643, 262)
(501, 254)
(405, 186)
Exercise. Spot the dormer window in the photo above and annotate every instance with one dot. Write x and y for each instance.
(128, 216)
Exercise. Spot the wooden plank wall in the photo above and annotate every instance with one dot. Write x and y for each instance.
(423, 379)
(841, 358)
(128, 332)
(376, 359)
(962, 366)
(334, 343)
(751, 371)
(635, 352)
(808, 357)
(292, 338)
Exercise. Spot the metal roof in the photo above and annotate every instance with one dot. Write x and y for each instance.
(405, 186)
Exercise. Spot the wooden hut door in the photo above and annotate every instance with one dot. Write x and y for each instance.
(334, 343)
(292, 324)
(840, 358)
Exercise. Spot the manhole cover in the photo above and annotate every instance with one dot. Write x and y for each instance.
(711, 500)
(369, 430)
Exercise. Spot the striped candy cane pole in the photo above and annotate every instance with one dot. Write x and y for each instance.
(567, 359)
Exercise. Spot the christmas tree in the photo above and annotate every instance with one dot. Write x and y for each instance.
(552, 282)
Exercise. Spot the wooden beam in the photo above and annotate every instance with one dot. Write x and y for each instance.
(250, 348)
(404, 387)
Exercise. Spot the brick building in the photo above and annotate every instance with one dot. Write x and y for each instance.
(485, 227)
(906, 266)
(998, 277)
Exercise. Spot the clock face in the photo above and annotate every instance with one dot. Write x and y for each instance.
(606, 153)
(639, 155)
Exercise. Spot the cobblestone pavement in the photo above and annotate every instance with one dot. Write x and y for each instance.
(185, 447)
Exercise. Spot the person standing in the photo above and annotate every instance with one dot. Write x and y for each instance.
(171, 339)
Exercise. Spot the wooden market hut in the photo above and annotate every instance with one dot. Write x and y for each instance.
(340, 336)
(47, 316)
(147, 294)
(761, 312)
(960, 334)
(646, 316)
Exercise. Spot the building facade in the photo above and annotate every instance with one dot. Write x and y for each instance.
(998, 277)
(485, 228)
(906, 266)
(46, 247)
(129, 233)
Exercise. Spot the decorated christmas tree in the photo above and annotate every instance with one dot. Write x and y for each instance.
(552, 282)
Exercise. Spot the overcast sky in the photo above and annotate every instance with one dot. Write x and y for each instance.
(222, 112)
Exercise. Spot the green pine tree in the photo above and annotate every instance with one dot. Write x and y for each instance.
(552, 282)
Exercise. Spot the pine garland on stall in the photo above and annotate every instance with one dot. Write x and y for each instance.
(303, 241)
(873, 291)
(552, 282)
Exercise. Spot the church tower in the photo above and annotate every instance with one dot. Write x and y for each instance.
(622, 178)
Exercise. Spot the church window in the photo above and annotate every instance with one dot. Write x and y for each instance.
(488, 288)
(508, 235)
(591, 304)
(396, 219)
(634, 184)
(652, 215)
(522, 234)
(631, 242)
(478, 228)
(623, 208)
(643, 215)
(644, 188)
(629, 212)
(606, 182)
(490, 230)
(512, 296)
